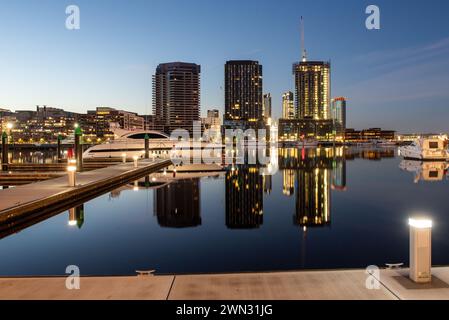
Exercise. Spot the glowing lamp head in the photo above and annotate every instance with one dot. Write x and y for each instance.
(9, 125)
(72, 223)
(71, 168)
(420, 223)
(135, 158)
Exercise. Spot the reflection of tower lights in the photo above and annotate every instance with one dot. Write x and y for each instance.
(76, 216)
(288, 182)
(313, 198)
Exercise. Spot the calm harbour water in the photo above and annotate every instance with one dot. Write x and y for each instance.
(323, 209)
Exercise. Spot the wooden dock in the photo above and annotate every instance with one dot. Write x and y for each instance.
(40, 197)
(301, 285)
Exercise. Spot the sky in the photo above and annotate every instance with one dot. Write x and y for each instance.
(395, 78)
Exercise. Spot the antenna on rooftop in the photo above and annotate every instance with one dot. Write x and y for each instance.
(303, 47)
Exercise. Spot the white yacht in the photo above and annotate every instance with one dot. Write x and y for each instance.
(425, 170)
(426, 149)
(131, 144)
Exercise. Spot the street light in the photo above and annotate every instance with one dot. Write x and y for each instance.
(71, 172)
(420, 250)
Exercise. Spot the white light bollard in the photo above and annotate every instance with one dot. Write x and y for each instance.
(135, 161)
(71, 172)
(420, 250)
(124, 157)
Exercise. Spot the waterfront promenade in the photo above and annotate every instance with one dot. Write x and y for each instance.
(301, 285)
(54, 193)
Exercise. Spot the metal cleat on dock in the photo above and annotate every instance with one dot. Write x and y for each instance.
(145, 272)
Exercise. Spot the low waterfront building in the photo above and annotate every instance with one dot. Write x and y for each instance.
(369, 134)
(46, 124)
(296, 129)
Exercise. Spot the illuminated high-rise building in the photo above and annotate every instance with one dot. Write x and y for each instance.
(266, 106)
(288, 105)
(176, 96)
(243, 91)
(338, 113)
(312, 86)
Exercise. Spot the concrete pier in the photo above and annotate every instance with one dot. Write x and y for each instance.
(38, 197)
(300, 285)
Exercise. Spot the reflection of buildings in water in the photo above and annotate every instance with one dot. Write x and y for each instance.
(244, 198)
(339, 174)
(115, 193)
(313, 197)
(288, 186)
(267, 183)
(177, 205)
(316, 171)
(76, 216)
(430, 171)
(369, 154)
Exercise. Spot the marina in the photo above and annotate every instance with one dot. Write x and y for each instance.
(232, 215)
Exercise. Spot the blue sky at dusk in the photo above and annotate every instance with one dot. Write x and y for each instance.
(396, 77)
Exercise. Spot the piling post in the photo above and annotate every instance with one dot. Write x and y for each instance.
(59, 148)
(147, 146)
(79, 149)
(4, 151)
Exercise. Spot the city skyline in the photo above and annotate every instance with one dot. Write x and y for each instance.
(391, 77)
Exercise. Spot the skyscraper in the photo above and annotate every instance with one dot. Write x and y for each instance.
(266, 106)
(288, 105)
(243, 91)
(312, 85)
(176, 96)
(338, 113)
(213, 117)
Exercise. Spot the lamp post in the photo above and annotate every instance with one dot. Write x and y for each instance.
(71, 172)
(135, 161)
(124, 157)
(59, 147)
(420, 250)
